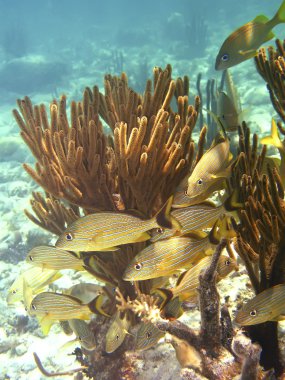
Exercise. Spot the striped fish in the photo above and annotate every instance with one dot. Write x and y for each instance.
(210, 172)
(106, 230)
(187, 284)
(116, 333)
(48, 257)
(191, 218)
(268, 305)
(36, 278)
(59, 307)
(243, 43)
(147, 336)
(83, 333)
(165, 257)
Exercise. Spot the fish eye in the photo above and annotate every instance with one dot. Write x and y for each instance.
(160, 230)
(31, 258)
(225, 57)
(148, 334)
(33, 306)
(253, 313)
(200, 181)
(68, 236)
(138, 266)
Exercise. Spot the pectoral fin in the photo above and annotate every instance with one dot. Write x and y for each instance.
(46, 324)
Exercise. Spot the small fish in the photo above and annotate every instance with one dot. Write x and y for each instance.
(268, 305)
(83, 333)
(116, 333)
(165, 257)
(274, 139)
(48, 257)
(36, 278)
(106, 230)
(210, 172)
(147, 336)
(186, 354)
(243, 43)
(188, 282)
(196, 217)
(50, 307)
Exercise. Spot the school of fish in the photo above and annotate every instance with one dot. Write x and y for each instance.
(179, 239)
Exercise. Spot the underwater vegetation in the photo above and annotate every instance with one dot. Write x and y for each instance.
(132, 209)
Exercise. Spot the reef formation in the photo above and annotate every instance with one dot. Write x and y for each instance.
(128, 158)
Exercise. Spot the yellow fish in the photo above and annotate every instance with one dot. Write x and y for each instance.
(187, 284)
(116, 333)
(36, 278)
(275, 140)
(83, 333)
(268, 305)
(106, 230)
(243, 43)
(209, 173)
(147, 336)
(165, 257)
(196, 217)
(54, 258)
(50, 307)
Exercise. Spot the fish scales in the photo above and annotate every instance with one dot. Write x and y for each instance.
(190, 280)
(265, 306)
(53, 258)
(147, 336)
(165, 257)
(36, 278)
(110, 235)
(57, 306)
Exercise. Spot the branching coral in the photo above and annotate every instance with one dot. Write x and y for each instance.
(272, 69)
(259, 196)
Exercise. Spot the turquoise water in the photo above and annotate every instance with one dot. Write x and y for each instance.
(59, 47)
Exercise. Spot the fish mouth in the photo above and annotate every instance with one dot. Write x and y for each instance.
(217, 64)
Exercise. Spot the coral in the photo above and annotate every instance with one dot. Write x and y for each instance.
(136, 168)
(259, 196)
(271, 67)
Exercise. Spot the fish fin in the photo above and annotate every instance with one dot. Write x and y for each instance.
(68, 345)
(165, 219)
(46, 324)
(222, 174)
(96, 306)
(274, 138)
(180, 278)
(247, 54)
(165, 294)
(107, 249)
(269, 36)
(197, 235)
(280, 15)
(142, 237)
(262, 19)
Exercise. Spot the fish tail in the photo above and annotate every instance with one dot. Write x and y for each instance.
(165, 294)
(165, 219)
(95, 306)
(280, 14)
